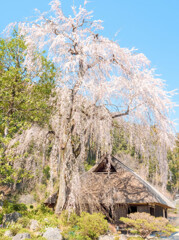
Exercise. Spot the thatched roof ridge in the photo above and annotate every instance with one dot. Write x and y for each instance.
(159, 196)
(122, 186)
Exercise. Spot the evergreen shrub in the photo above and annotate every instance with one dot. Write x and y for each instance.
(144, 224)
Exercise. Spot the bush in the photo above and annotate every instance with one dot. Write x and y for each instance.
(92, 225)
(9, 207)
(84, 227)
(19, 207)
(144, 224)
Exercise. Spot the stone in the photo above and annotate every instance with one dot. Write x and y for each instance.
(106, 237)
(20, 236)
(27, 199)
(8, 233)
(11, 217)
(123, 237)
(53, 234)
(34, 225)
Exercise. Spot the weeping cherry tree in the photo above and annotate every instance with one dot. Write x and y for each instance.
(99, 81)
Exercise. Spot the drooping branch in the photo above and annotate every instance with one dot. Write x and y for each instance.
(98, 70)
(116, 115)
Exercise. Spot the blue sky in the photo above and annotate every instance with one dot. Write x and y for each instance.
(151, 26)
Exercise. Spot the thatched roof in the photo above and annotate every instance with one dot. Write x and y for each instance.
(52, 199)
(120, 185)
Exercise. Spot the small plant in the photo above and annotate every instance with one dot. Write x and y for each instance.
(84, 227)
(144, 224)
(24, 221)
(15, 228)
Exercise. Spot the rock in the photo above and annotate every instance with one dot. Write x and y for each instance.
(11, 217)
(34, 225)
(53, 234)
(106, 237)
(123, 237)
(20, 236)
(8, 233)
(27, 199)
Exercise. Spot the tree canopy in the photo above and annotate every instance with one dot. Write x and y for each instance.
(23, 96)
(99, 81)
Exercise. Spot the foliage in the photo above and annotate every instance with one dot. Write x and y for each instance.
(2, 237)
(23, 96)
(144, 224)
(173, 160)
(9, 207)
(86, 226)
(15, 228)
(24, 221)
(92, 225)
(24, 99)
(6, 168)
(44, 216)
(68, 219)
(120, 142)
(46, 173)
(44, 209)
(1, 217)
(40, 192)
(110, 81)
(122, 145)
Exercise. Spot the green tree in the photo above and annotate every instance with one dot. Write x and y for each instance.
(24, 97)
(173, 162)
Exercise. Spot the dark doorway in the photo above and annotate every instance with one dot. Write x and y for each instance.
(165, 213)
(152, 211)
(132, 209)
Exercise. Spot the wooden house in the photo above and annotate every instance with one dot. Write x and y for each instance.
(116, 190)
